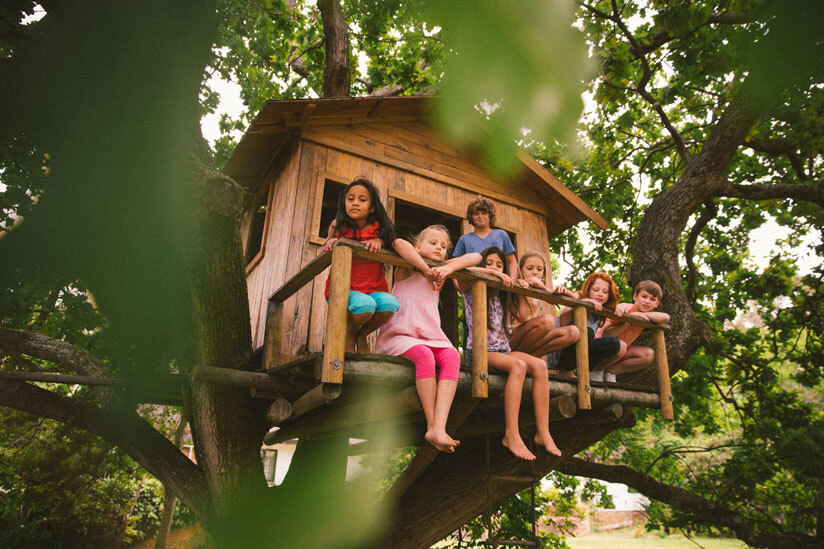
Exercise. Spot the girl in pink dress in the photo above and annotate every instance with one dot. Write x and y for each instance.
(415, 331)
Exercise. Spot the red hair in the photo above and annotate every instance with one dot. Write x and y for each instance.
(614, 294)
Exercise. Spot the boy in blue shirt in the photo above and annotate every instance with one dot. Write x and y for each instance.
(481, 214)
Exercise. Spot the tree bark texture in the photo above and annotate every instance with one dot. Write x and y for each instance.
(656, 254)
(708, 511)
(454, 490)
(336, 74)
(227, 425)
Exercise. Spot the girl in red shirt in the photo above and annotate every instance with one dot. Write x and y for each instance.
(361, 216)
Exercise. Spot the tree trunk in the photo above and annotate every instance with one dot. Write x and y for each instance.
(336, 75)
(229, 429)
(656, 254)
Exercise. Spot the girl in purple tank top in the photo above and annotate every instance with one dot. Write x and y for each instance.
(414, 332)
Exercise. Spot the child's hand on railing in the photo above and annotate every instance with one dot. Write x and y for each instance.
(561, 290)
(522, 283)
(596, 304)
(327, 245)
(374, 244)
(506, 280)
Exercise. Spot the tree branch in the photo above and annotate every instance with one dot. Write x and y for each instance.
(123, 428)
(775, 147)
(72, 358)
(706, 510)
(809, 193)
(710, 211)
(641, 86)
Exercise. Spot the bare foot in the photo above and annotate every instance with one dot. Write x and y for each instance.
(547, 442)
(516, 446)
(440, 440)
(363, 344)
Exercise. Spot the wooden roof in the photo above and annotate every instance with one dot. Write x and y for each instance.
(280, 121)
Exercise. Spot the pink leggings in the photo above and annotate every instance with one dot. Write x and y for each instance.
(425, 358)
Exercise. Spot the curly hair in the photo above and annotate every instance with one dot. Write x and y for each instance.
(483, 205)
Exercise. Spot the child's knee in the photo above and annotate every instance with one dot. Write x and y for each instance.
(361, 304)
(385, 303)
(570, 333)
(648, 355)
(518, 368)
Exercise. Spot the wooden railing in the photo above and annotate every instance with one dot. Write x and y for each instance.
(333, 354)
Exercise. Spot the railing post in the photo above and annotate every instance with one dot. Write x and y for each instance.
(661, 365)
(337, 315)
(271, 338)
(480, 375)
(582, 357)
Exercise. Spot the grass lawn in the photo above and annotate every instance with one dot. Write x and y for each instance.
(626, 539)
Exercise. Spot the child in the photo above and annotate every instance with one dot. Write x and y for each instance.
(646, 297)
(534, 331)
(481, 214)
(516, 363)
(361, 216)
(415, 332)
(601, 291)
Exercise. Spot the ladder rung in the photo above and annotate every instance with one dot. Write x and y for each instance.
(511, 542)
(507, 478)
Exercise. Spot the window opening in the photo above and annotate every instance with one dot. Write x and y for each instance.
(256, 226)
(329, 205)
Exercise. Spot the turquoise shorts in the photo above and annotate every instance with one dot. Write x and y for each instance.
(376, 302)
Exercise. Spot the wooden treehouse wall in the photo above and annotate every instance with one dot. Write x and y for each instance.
(407, 163)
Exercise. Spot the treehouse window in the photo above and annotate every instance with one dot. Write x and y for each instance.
(329, 205)
(257, 223)
(270, 459)
(410, 219)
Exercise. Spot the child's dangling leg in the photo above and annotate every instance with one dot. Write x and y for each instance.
(386, 305)
(361, 311)
(516, 368)
(540, 401)
(436, 397)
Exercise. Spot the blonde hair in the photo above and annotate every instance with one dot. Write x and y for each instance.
(419, 237)
(527, 256)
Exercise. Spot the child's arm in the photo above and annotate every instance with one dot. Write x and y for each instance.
(512, 270)
(616, 327)
(506, 280)
(330, 238)
(456, 264)
(466, 287)
(409, 253)
(658, 317)
(567, 316)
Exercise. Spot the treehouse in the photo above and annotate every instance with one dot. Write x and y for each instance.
(293, 161)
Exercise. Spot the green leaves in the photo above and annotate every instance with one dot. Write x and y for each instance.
(521, 65)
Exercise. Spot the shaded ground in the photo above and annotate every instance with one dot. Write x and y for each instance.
(191, 537)
(631, 539)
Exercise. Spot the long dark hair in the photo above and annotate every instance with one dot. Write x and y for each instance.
(385, 226)
(503, 296)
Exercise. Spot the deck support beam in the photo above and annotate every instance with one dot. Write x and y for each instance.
(582, 358)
